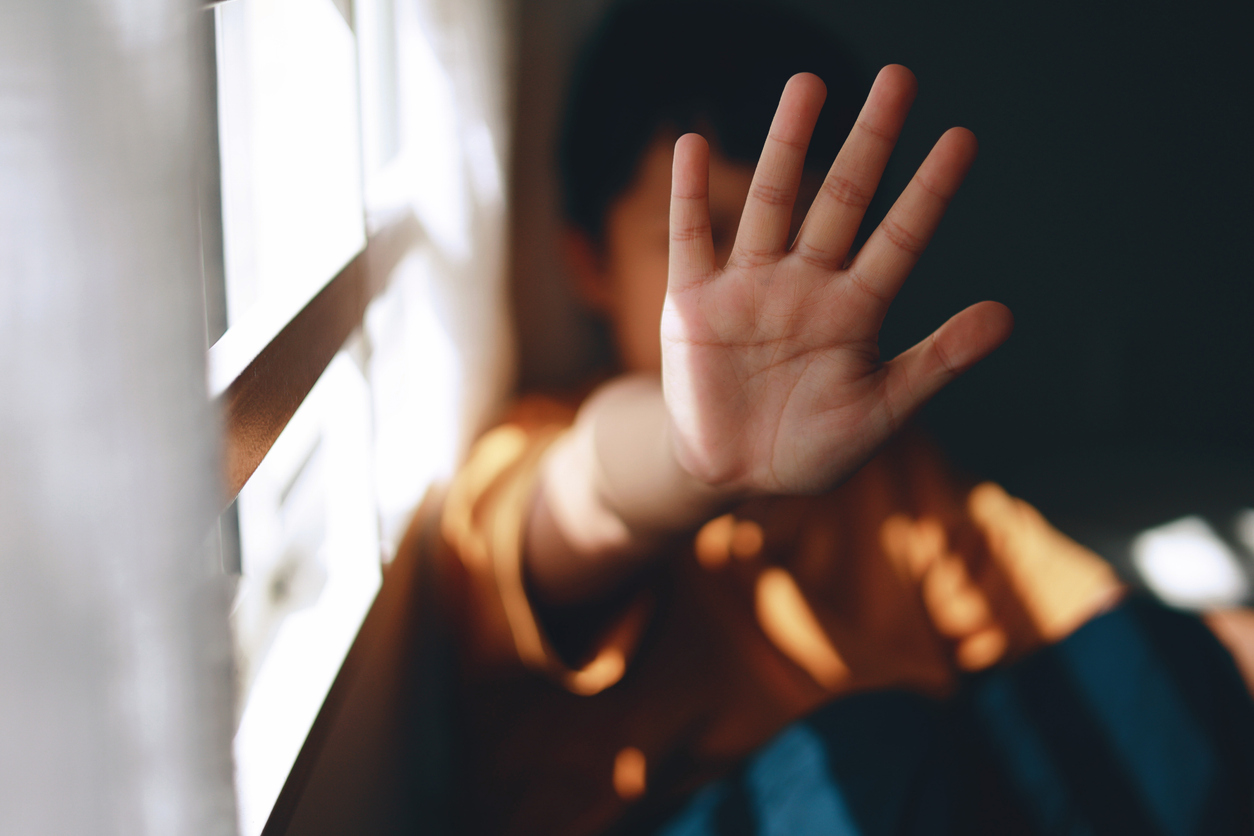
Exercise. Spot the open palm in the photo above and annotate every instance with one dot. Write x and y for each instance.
(770, 364)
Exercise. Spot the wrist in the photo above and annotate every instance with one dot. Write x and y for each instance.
(640, 476)
(635, 470)
(611, 494)
(571, 489)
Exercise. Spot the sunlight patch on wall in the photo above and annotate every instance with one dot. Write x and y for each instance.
(416, 383)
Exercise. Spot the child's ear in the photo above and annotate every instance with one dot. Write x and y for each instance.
(586, 264)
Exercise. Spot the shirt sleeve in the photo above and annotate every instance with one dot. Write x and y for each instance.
(483, 523)
(1139, 718)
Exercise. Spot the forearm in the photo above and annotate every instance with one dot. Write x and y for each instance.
(611, 494)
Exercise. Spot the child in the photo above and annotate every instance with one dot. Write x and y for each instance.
(721, 539)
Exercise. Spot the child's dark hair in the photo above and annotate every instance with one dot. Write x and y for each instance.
(715, 66)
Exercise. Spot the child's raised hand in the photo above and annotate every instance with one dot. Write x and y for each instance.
(771, 365)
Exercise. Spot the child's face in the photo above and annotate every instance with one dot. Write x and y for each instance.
(627, 278)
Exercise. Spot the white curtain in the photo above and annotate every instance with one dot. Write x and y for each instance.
(115, 706)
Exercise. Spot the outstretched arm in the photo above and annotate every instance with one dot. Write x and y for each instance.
(772, 380)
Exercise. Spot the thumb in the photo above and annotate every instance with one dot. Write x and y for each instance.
(969, 336)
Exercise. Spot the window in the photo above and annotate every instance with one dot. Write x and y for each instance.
(365, 338)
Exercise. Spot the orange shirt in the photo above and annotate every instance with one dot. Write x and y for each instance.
(762, 616)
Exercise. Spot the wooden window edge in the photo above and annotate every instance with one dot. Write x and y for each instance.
(259, 403)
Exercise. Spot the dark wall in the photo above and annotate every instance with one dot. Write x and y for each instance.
(1111, 208)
